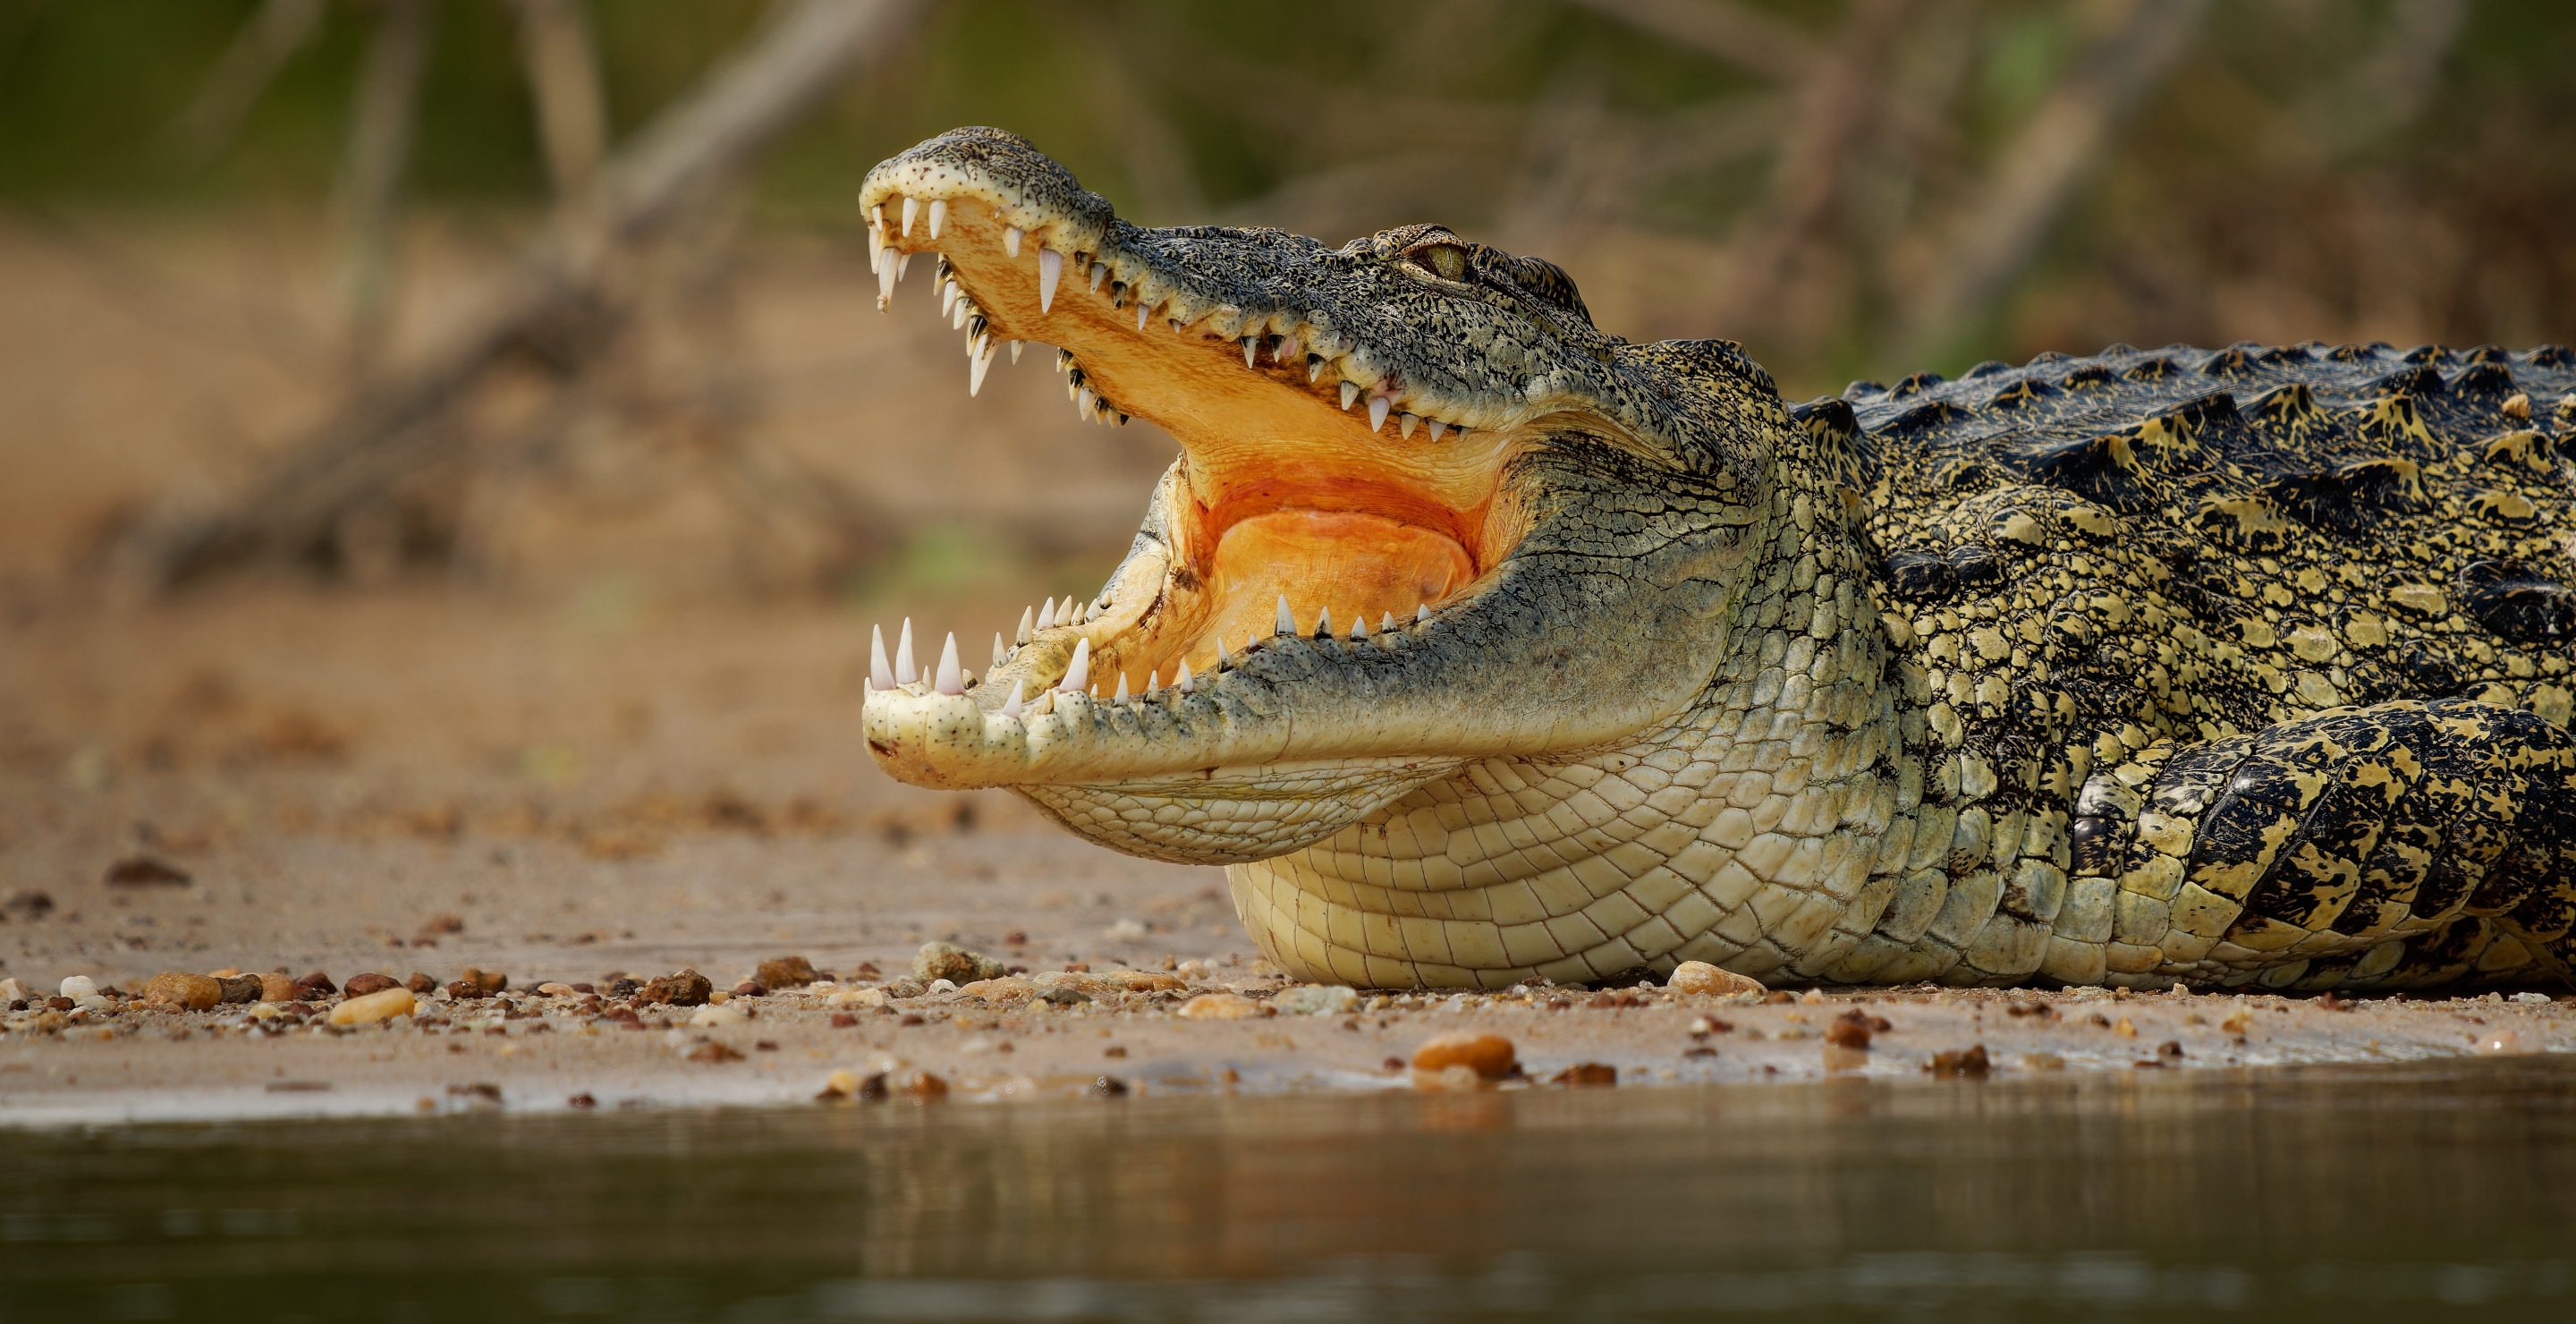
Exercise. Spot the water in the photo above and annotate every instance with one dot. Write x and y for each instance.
(2442, 1191)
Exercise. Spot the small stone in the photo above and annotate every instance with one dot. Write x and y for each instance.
(2238, 1022)
(277, 987)
(2533, 999)
(1007, 991)
(1969, 1061)
(240, 988)
(751, 988)
(1701, 977)
(178, 988)
(718, 1016)
(947, 960)
(1064, 996)
(681, 988)
(842, 1020)
(1234, 1007)
(711, 1051)
(622, 987)
(1315, 1000)
(2042, 1062)
(1814, 997)
(1850, 1031)
(13, 991)
(1584, 1074)
(360, 986)
(905, 988)
(382, 1005)
(557, 990)
(77, 987)
(1107, 1087)
(1490, 1056)
(921, 1085)
(785, 972)
(2124, 1029)
(464, 990)
(490, 981)
(857, 997)
(839, 1085)
(582, 1100)
(2171, 1049)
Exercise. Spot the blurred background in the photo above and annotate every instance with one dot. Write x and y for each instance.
(466, 420)
(541, 295)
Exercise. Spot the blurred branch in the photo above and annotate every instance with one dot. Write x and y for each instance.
(2040, 168)
(1739, 34)
(562, 307)
(563, 75)
(267, 40)
(380, 138)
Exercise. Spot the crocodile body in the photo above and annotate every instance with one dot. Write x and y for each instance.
(2225, 666)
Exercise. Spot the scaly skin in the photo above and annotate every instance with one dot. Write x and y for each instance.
(2245, 666)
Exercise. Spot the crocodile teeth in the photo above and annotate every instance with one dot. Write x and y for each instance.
(903, 671)
(1386, 622)
(1377, 412)
(951, 680)
(1000, 653)
(1011, 235)
(876, 246)
(1082, 402)
(1015, 351)
(1045, 620)
(1438, 427)
(1421, 613)
(903, 266)
(1077, 678)
(1350, 392)
(983, 364)
(1028, 623)
(1099, 272)
(1405, 425)
(1141, 312)
(1287, 622)
(888, 269)
(938, 216)
(880, 676)
(1222, 661)
(1249, 344)
(1050, 270)
(1359, 627)
(1324, 624)
(948, 292)
(911, 208)
(1011, 706)
(1183, 683)
(1315, 369)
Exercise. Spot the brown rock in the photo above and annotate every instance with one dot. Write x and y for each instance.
(1850, 1030)
(1701, 977)
(1970, 1061)
(680, 988)
(277, 988)
(1232, 1007)
(1490, 1056)
(241, 988)
(711, 1051)
(947, 960)
(785, 972)
(921, 1086)
(420, 984)
(490, 981)
(315, 985)
(751, 988)
(360, 986)
(1586, 1074)
(178, 988)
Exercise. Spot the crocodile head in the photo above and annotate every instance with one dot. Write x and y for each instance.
(1424, 514)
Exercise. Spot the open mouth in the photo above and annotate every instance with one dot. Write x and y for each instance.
(1315, 495)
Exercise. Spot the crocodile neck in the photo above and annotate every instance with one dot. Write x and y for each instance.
(1765, 824)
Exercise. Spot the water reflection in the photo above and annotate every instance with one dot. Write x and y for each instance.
(2332, 1194)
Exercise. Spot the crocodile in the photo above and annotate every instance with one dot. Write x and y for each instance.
(1482, 646)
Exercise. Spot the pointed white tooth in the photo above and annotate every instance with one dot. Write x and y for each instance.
(1011, 236)
(1183, 683)
(876, 218)
(1154, 683)
(1287, 622)
(1077, 678)
(1050, 270)
(1083, 402)
(1404, 426)
(1324, 624)
(1438, 427)
(983, 364)
(1011, 706)
(1099, 273)
(903, 672)
(903, 266)
(1015, 351)
(911, 208)
(1359, 625)
(1315, 370)
(1093, 614)
(1421, 613)
(876, 246)
(880, 675)
(1001, 652)
(1141, 311)
(1046, 617)
(1350, 392)
(938, 216)
(948, 291)
(1377, 412)
(1386, 622)
(885, 279)
(1028, 623)
(1222, 660)
(957, 319)
(950, 680)
(1121, 696)
(1249, 345)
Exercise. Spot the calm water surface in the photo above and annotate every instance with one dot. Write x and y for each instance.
(2360, 1194)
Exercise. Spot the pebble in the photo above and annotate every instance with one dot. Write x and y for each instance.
(366, 1009)
(240, 988)
(947, 960)
(711, 1051)
(1586, 1074)
(1107, 1087)
(1232, 1007)
(277, 988)
(13, 991)
(920, 1085)
(1009, 990)
(77, 987)
(2533, 999)
(681, 988)
(1315, 1000)
(1490, 1056)
(557, 990)
(360, 986)
(841, 1085)
(1969, 1061)
(718, 1016)
(857, 997)
(491, 981)
(750, 988)
(316, 985)
(1849, 1032)
(1701, 977)
(785, 972)
(178, 988)
(421, 984)
(2042, 1062)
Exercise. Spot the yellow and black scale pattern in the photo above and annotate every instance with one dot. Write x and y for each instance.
(2247, 666)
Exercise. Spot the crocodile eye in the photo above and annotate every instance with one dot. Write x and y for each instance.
(1447, 261)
